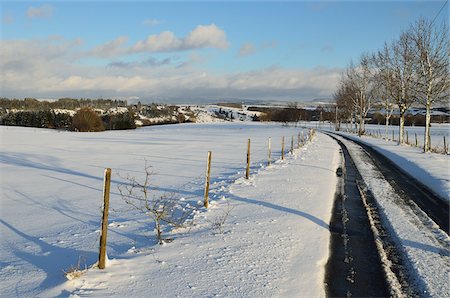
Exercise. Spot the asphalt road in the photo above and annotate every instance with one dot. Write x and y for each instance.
(354, 267)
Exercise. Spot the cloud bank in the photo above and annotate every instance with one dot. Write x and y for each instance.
(51, 68)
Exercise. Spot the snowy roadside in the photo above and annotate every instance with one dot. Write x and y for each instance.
(275, 240)
(422, 243)
(433, 170)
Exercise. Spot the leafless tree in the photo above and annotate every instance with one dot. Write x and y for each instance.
(161, 209)
(431, 60)
(383, 80)
(360, 89)
(402, 77)
(344, 103)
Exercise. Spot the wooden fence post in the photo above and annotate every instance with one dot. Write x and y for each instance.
(104, 232)
(292, 144)
(303, 138)
(415, 134)
(247, 170)
(407, 137)
(298, 140)
(282, 148)
(208, 176)
(445, 146)
(268, 160)
(393, 136)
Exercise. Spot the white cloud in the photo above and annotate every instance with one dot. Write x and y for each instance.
(246, 49)
(203, 36)
(48, 68)
(44, 11)
(206, 36)
(112, 48)
(164, 42)
(150, 62)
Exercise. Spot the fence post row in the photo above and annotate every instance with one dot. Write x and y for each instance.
(104, 232)
(208, 175)
(247, 170)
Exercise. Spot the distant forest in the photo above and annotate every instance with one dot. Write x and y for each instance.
(32, 104)
(30, 112)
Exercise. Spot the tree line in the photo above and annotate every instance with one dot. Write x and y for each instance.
(32, 104)
(87, 114)
(411, 70)
(85, 119)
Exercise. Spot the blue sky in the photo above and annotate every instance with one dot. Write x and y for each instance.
(183, 51)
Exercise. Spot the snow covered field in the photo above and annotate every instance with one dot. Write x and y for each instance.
(51, 197)
(274, 241)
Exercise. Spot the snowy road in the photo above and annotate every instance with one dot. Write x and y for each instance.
(413, 247)
(409, 188)
(354, 266)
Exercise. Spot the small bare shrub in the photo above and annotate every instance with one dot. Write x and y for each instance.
(75, 271)
(218, 223)
(161, 210)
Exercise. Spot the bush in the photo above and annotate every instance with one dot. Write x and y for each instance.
(87, 120)
(161, 210)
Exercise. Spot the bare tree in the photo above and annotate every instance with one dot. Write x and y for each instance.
(401, 81)
(344, 102)
(383, 80)
(162, 209)
(432, 67)
(360, 89)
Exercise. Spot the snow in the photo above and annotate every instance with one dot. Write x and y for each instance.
(273, 243)
(433, 170)
(423, 244)
(64, 111)
(438, 131)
